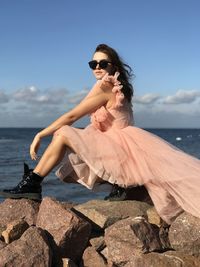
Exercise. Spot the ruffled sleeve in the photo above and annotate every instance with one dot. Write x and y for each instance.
(117, 86)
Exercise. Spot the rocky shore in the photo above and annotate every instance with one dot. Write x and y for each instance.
(94, 234)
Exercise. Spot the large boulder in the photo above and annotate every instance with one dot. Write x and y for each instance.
(167, 259)
(104, 213)
(70, 233)
(30, 250)
(131, 237)
(17, 209)
(184, 234)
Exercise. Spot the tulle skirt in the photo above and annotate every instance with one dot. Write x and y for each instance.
(132, 156)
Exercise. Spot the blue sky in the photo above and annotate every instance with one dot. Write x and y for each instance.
(45, 47)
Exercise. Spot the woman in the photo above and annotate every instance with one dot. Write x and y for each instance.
(111, 149)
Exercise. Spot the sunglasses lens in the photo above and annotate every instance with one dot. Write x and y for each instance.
(103, 64)
(93, 64)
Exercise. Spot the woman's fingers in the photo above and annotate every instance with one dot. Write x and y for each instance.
(34, 148)
(33, 155)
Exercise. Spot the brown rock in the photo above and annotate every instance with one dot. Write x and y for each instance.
(104, 253)
(14, 230)
(69, 232)
(92, 258)
(105, 213)
(30, 250)
(167, 259)
(2, 228)
(2, 244)
(130, 237)
(184, 234)
(16, 209)
(153, 216)
(98, 243)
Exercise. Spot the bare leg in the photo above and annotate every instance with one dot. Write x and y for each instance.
(52, 156)
(30, 186)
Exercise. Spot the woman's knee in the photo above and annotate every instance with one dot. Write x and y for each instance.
(61, 139)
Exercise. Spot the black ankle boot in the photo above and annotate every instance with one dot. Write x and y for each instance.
(117, 194)
(29, 187)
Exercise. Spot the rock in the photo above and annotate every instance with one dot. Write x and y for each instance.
(2, 228)
(30, 250)
(104, 253)
(70, 233)
(164, 236)
(16, 209)
(153, 216)
(98, 243)
(184, 234)
(92, 258)
(105, 213)
(2, 244)
(130, 237)
(68, 263)
(14, 230)
(167, 259)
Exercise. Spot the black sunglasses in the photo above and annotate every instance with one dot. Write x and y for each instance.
(103, 64)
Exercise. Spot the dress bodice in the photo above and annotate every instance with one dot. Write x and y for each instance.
(120, 114)
(114, 117)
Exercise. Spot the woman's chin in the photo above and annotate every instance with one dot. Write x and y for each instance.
(99, 76)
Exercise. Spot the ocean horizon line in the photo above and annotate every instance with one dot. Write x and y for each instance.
(38, 127)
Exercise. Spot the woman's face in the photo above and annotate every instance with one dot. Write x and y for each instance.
(98, 71)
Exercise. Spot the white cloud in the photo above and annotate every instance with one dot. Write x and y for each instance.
(3, 97)
(146, 99)
(32, 95)
(33, 107)
(25, 94)
(182, 96)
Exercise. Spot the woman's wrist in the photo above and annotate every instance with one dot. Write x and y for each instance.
(39, 135)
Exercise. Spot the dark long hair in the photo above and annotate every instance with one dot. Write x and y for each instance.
(118, 64)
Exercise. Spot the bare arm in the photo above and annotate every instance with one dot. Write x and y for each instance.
(87, 106)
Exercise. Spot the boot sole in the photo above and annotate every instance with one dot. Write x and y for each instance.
(34, 196)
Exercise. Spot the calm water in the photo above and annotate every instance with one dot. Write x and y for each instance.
(14, 150)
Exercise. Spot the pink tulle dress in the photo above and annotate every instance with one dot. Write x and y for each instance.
(112, 149)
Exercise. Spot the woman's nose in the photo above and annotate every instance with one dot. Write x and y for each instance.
(97, 66)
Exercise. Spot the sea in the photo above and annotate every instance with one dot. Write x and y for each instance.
(14, 151)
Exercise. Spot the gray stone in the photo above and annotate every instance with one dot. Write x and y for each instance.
(105, 213)
(184, 234)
